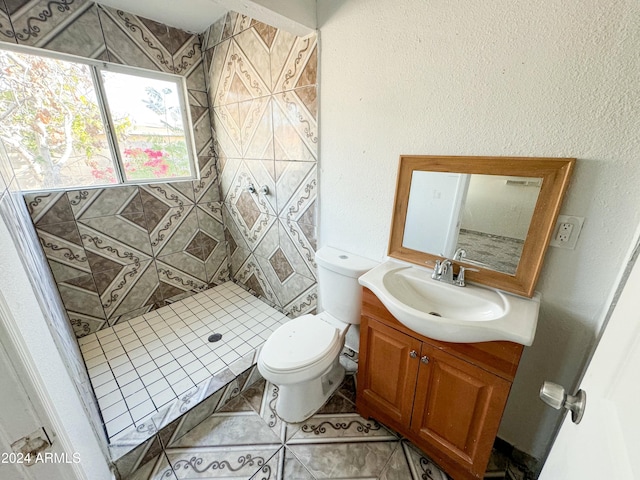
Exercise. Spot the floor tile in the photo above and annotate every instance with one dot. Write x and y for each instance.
(156, 469)
(137, 398)
(193, 367)
(157, 387)
(148, 368)
(102, 378)
(126, 378)
(177, 376)
(114, 411)
(132, 387)
(182, 386)
(162, 398)
(98, 369)
(345, 460)
(142, 410)
(228, 429)
(220, 462)
(152, 377)
(122, 369)
(398, 468)
(420, 465)
(118, 361)
(110, 399)
(293, 468)
(96, 351)
(200, 375)
(152, 360)
(118, 424)
(105, 389)
(163, 359)
(340, 428)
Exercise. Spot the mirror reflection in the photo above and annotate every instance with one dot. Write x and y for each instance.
(486, 215)
(505, 200)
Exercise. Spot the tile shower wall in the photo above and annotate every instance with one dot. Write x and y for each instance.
(263, 93)
(118, 252)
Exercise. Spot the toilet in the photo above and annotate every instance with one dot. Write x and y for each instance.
(302, 356)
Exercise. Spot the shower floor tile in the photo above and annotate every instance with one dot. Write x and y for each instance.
(138, 367)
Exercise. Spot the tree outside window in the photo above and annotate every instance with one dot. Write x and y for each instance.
(60, 133)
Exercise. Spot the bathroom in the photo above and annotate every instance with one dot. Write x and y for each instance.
(564, 95)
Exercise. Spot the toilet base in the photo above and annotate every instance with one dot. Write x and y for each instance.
(297, 402)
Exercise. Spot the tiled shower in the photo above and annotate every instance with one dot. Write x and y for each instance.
(143, 368)
(123, 258)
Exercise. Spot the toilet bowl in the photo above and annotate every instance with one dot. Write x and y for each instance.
(302, 356)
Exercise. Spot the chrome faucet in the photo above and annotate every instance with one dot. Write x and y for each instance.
(459, 255)
(443, 270)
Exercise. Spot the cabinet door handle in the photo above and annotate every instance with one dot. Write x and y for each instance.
(413, 354)
(424, 359)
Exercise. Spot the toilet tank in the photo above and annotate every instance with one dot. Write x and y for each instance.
(339, 292)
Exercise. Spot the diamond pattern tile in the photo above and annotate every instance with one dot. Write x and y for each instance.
(281, 265)
(270, 113)
(123, 251)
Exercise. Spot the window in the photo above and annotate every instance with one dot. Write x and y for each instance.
(69, 124)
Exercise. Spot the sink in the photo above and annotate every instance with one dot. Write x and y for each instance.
(449, 313)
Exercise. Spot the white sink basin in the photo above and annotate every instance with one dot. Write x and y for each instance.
(450, 313)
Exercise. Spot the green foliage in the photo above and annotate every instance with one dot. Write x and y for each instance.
(53, 128)
(49, 115)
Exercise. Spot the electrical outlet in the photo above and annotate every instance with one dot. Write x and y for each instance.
(566, 232)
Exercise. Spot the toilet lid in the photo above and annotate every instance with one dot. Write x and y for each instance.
(298, 343)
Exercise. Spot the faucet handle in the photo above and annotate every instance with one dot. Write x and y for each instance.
(460, 279)
(437, 270)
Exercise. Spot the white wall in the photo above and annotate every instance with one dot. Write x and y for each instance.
(496, 207)
(63, 406)
(433, 212)
(470, 77)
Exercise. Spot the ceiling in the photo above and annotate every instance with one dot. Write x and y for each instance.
(190, 15)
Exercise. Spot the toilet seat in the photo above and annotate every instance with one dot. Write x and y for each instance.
(300, 344)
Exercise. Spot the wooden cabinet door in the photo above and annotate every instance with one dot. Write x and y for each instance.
(457, 411)
(387, 373)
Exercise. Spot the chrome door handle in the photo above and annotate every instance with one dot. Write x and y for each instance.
(554, 395)
(425, 359)
(413, 354)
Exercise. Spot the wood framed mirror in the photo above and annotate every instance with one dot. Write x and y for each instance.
(500, 210)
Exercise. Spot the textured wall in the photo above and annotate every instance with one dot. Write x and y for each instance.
(117, 252)
(262, 88)
(470, 77)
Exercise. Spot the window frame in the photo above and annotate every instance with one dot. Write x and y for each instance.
(96, 67)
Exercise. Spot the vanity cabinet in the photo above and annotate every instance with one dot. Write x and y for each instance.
(447, 398)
